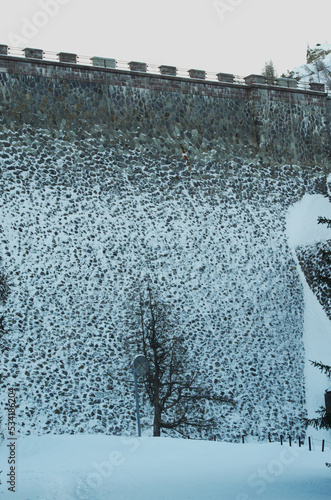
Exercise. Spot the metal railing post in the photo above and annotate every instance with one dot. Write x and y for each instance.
(137, 401)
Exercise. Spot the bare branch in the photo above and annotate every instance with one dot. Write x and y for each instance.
(324, 368)
(172, 387)
(324, 220)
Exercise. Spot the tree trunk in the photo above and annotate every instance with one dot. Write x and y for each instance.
(157, 421)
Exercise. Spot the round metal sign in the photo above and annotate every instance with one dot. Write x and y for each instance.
(141, 365)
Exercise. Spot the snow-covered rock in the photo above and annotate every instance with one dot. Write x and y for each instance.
(318, 66)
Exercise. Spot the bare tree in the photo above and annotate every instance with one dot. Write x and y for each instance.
(324, 220)
(172, 385)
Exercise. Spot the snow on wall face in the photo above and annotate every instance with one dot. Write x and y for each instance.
(103, 186)
(74, 245)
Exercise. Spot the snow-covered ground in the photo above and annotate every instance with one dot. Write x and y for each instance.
(104, 468)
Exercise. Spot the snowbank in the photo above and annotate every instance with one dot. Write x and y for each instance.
(104, 467)
(303, 229)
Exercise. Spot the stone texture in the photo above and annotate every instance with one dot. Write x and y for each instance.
(84, 217)
(109, 177)
(110, 63)
(287, 82)
(250, 120)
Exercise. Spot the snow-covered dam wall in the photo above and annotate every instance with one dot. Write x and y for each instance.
(111, 177)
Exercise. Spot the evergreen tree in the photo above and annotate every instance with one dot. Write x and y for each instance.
(269, 72)
(324, 419)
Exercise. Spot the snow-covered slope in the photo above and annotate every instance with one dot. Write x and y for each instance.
(104, 467)
(318, 66)
(307, 239)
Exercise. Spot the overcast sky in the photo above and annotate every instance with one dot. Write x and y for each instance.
(234, 36)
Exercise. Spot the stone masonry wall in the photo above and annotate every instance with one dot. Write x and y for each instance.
(110, 178)
(281, 125)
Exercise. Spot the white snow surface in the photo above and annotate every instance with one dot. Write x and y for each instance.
(107, 467)
(303, 229)
(302, 225)
(319, 70)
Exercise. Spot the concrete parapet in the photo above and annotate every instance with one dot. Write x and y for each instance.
(33, 53)
(290, 83)
(197, 73)
(255, 80)
(103, 62)
(319, 87)
(138, 66)
(4, 50)
(168, 70)
(251, 80)
(225, 77)
(67, 57)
